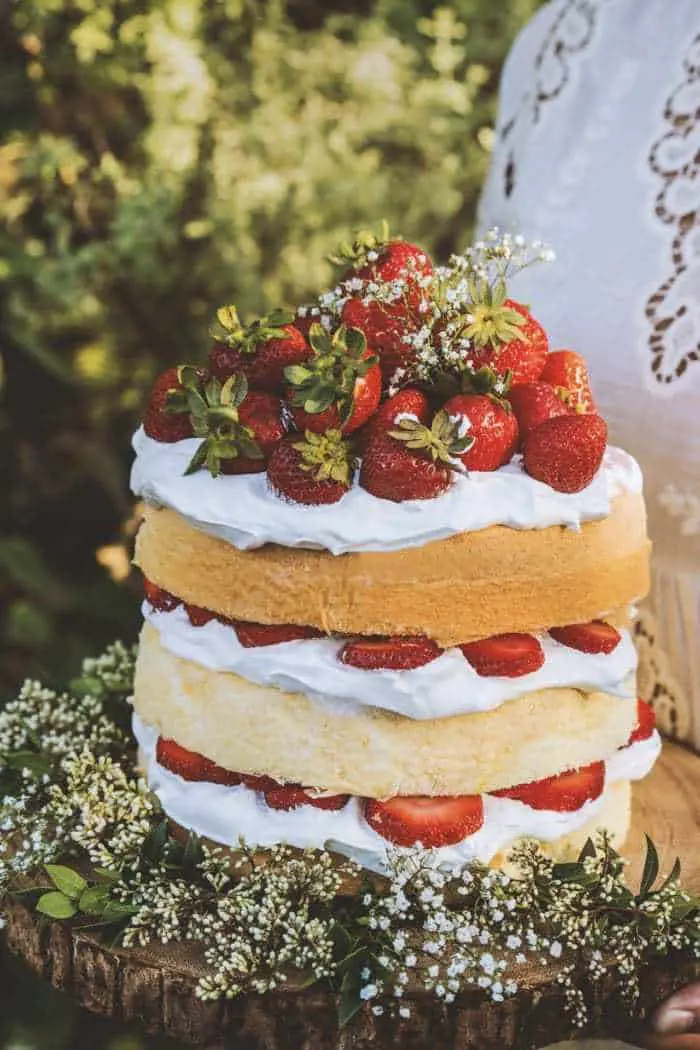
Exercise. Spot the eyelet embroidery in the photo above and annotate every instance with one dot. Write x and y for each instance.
(570, 34)
(673, 310)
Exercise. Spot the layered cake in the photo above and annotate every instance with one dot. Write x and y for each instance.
(390, 564)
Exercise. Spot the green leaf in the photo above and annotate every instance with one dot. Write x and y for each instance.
(117, 911)
(296, 374)
(107, 874)
(37, 764)
(193, 854)
(153, 846)
(349, 1002)
(198, 460)
(651, 869)
(56, 905)
(94, 900)
(587, 851)
(66, 880)
(673, 875)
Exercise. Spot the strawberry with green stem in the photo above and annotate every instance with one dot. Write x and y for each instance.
(262, 349)
(339, 387)
(228, 445)
(485, 415)
(314, 469)
(413, 461)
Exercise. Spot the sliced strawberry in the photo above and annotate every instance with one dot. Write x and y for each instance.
(260, 782)
(439, 821)
(253, 635)
(159, 598)
(394, 654)
(566, 452)
(198, 616)
(290, 796)
(504, 655)
(535, 403)
(315, 469)
(646, 722)
(190, 765)
(567, 372)
(159, 422)
(564, 793)
(491, 425)
(594, 637)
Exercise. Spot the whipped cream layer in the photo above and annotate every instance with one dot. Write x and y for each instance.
(446, 686)
(228, 815)
(245, 512)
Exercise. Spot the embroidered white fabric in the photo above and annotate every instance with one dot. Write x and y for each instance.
(597, 152)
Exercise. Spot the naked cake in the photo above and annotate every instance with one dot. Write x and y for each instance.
(390, 564)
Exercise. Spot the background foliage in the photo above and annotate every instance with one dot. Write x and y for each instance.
(158, 157)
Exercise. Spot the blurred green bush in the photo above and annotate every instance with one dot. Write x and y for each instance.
(158, 157)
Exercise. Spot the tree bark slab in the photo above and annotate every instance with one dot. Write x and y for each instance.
(155, 986)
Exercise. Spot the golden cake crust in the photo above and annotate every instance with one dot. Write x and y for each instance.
(468, 586)
(368, 751)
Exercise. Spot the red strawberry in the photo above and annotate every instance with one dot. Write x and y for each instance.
(491, 425)
(394, 654)
(564, 793)
(439, 821)
(339, 387)
(260, 782)
(262, 350)
(198, 616)
(290, 796)
(262, 414)
(594, 637)
(366, 395)
(566, 452)
(394, 259)
(408, 402)
(384, 326)
(254, 635)
(159, 598)
(190, 765)
(160, 423)
(504, 655)
(314, 470)
(646, 722)
(392, 471)
(567, 372)
(523, 355)
(533, 404)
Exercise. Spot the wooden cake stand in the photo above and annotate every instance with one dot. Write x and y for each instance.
(155, 985)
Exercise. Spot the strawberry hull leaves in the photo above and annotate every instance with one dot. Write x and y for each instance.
(329, 378)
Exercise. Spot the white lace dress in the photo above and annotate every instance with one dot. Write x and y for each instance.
(597, 152)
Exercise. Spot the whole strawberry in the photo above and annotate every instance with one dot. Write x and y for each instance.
(491, 426)
(261, 415)
(566, 452)
(383, 259)
(161, 422)
(412, 461)
(387, 327)
(314, 469)
(262, 350)
(535, 403)
(567, 372)
(215, 411)
(339, 387)
(519, 348)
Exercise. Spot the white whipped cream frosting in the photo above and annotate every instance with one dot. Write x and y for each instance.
(245, 512)
(446, 686)
(228, 814)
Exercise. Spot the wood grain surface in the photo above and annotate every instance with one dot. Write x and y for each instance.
(155, 986)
